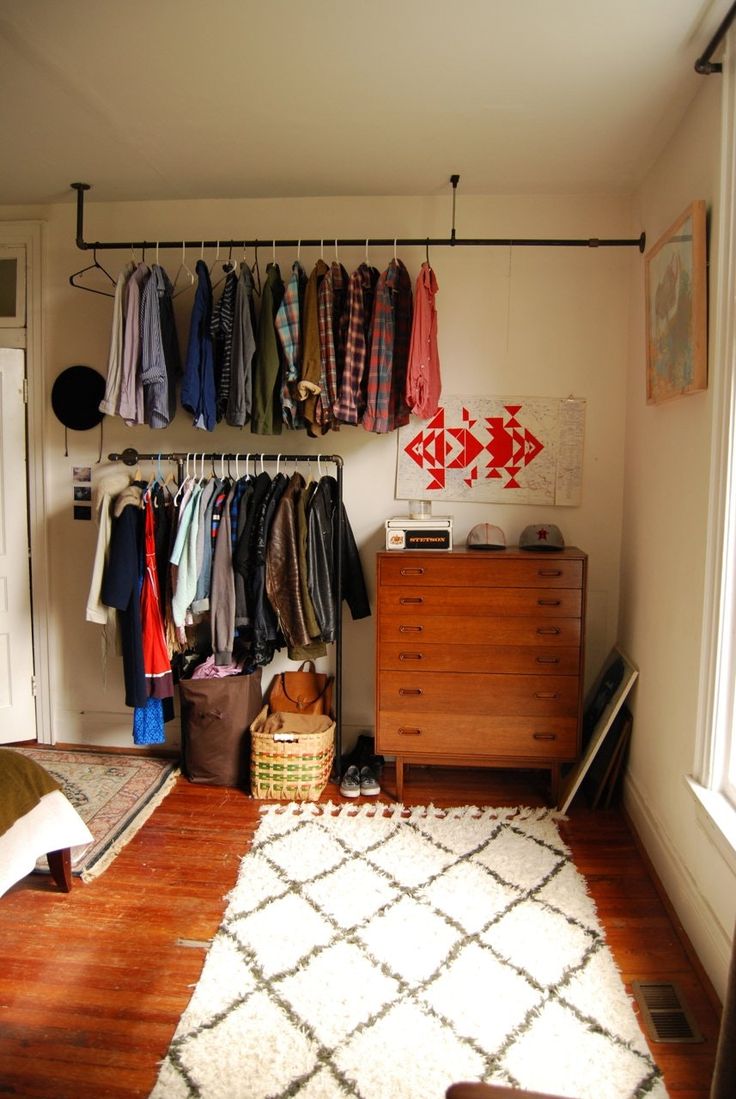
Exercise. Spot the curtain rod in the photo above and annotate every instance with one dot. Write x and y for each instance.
(452, 241)
(704, 65)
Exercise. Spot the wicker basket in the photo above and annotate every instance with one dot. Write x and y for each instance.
(291, 755)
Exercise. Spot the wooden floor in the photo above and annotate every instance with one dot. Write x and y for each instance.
(92, 983)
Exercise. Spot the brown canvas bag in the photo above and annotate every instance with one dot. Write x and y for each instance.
(216, 716)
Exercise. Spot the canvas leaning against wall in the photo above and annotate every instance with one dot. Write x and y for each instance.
(503, 450)
(676, 308)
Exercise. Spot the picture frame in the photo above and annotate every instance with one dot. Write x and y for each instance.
(602, 704)
(675, 271)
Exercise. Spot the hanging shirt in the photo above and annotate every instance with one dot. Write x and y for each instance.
(153, 364)
(288, 326)
(169, 339)
(350, 403)
(423, 382)
(239, 399)
(130, 406)
(222, 338)
(267, 361)
(333, 323)
(110, 402)
(386, 407)
(309, 383)
(198, 394)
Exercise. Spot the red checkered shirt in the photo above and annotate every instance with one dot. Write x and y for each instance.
(361, 291)
(333, 323)
(390, 333)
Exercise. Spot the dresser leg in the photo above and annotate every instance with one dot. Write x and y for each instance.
(399, 778)
(554, 783)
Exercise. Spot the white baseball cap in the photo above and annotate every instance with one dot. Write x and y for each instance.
(486, 536)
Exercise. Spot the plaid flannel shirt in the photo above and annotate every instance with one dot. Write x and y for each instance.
(350, 403)
(386, 407)
(288, 327)
(333, 322)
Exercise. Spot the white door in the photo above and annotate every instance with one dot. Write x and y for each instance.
(17, 706)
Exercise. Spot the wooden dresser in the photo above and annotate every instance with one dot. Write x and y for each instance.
(480, 658)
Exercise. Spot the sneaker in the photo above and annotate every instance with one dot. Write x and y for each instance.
(368, 783)
(350, 785)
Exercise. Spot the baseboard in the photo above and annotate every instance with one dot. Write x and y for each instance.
(703, 937)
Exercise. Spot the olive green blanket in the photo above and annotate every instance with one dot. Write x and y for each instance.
(23, 783)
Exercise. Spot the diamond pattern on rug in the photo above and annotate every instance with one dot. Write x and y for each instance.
(383, 953)
(340, 989)
(407, 1053)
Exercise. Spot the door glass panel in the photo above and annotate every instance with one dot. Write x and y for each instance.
(12, 288)
(8, 286)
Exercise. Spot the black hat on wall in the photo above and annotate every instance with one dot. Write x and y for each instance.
(76, 396)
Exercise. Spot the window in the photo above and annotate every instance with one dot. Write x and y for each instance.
(12, 287)
(715, 764)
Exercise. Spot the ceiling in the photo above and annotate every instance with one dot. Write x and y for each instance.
(165, 99)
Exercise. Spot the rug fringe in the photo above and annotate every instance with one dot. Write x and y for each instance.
(413, 812)
(134, 826)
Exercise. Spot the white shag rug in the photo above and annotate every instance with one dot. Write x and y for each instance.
(385, 953)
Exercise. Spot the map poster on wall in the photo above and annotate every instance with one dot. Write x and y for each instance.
(501, 450)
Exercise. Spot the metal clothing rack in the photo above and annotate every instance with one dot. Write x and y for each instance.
(453, 241)
(704, 65)
(130, 457)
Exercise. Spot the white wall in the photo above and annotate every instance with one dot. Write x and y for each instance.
(663, 570)
(535, 322)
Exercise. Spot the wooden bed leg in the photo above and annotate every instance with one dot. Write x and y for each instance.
(60, 865)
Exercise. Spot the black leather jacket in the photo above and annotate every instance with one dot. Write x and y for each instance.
(322, 560)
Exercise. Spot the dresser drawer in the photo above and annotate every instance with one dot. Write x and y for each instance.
(560, 602)
(496, 737)
(512, 659)
(481, 570)
(415, 692)
(411, 628)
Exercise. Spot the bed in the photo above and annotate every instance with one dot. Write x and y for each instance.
(36, 819)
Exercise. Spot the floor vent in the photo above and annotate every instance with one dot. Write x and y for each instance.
(665, 1012)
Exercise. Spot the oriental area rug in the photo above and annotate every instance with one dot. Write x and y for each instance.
(385, 953)
(114, 794)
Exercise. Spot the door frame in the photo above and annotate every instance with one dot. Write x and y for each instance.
(31, 235)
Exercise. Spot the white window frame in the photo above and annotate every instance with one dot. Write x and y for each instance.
(714, 769)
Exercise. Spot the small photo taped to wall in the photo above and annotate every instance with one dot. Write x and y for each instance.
(82, 492)
(83, 474)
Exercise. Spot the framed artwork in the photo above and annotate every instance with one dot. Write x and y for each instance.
(676, 308)
(602, 704)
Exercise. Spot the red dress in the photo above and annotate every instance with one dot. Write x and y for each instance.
(156, 663)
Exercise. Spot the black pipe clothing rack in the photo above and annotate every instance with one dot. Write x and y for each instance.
(131, 457)
(704, 65)
(453, 241)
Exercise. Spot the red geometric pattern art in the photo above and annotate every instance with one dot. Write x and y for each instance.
(508, 445)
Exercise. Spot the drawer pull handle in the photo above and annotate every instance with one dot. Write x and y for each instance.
(549, 572)
(410, 600)
(410, 629)
(410, 656)
(548, 660)
(412, 572)
(551, 630)
(548, 602)
(544, 736)
(551, 695)
(404, 731)
(410, 690)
